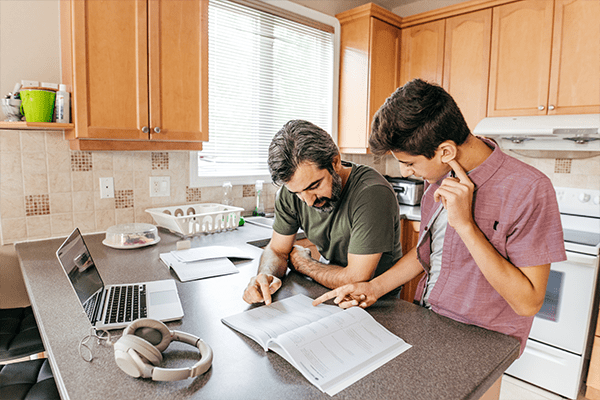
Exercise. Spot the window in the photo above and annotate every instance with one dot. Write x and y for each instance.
(264, 70)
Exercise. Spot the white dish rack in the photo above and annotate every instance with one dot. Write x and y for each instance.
(193, 219)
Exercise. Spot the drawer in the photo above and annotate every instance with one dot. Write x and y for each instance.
(552, 369)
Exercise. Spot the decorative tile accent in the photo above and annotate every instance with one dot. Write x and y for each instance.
(562, 166)
(193, 195)
(160, 160)
(37, 204)
(124, 198)
(81, 161)
(248, 191)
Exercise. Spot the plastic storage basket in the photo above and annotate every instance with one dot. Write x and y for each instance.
(193, 219)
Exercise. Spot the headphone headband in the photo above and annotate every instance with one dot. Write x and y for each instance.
(137, 356)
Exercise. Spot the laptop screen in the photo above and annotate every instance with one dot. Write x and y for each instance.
(77, 261)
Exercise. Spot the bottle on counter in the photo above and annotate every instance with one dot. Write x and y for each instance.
(260, 205)
(227, 194)
(62, 105)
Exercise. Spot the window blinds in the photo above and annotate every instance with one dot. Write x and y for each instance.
(263, 71)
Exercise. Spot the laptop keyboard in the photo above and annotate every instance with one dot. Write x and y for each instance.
(90, 305)
(126, 303)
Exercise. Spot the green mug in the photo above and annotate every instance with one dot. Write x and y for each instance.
(37, 105)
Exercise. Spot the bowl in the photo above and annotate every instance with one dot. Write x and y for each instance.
(12, 110)
(131, 236)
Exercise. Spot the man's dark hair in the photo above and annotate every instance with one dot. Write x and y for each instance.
(416, 119)
(297, 142)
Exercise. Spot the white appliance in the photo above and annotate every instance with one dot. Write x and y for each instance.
(559, 343)
(578, 132)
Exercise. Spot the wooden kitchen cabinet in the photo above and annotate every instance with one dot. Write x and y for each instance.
(593, 378)
(139, 73)
(575, 66)
(455, 53)
(409, 238)
(422, 52)
(370, 57)
(467, 63)
(545, 58)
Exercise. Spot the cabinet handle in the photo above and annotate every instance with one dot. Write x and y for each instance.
(145, 129)
(550, 107)
(541, 108)
(157, 130)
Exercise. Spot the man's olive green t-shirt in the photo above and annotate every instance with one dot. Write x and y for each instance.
(366, 220)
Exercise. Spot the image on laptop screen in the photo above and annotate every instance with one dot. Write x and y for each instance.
(79, 266)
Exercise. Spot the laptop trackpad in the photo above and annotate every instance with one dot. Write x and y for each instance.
(162, 297)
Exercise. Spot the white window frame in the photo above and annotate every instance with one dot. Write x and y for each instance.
(251, 176)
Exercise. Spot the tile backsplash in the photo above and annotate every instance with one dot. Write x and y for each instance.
(46, 190)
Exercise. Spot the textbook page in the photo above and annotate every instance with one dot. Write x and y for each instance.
(267, 322)
(337, 351)
(331, 347)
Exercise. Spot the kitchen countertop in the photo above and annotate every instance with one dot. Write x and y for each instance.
(448, 359)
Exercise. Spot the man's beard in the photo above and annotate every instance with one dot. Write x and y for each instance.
(327, 204)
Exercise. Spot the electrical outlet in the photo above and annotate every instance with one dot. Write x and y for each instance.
(160, 186)
(107, 188)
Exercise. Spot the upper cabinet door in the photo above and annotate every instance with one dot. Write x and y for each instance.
(575, 72)
(520, 59)
(384, 65)
(422, 52)
(110, 84)
(369, 65)
(178, 71)
(467, 63)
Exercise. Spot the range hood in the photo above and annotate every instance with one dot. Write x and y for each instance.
(570, 133)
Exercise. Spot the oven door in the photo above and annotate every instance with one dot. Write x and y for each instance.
(564, 319)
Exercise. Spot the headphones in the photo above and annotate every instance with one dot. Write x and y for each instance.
(140, 349)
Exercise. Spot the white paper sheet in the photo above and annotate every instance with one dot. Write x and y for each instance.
(209, 252)
(190, 271)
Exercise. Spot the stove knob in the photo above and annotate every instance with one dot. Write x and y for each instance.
(597, 200)
(584, 197)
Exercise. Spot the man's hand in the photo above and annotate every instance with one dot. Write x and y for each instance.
(360, 294)
(456, 195)
(299, 257)
(260, 288)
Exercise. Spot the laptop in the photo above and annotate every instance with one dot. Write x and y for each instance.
(115, 306)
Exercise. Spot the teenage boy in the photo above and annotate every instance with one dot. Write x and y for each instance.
(490, 225)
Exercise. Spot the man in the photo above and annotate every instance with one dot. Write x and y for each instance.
(348, 212)
(490, 225)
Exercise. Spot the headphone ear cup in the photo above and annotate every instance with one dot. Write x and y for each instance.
(153, 331)
(126, 363)
(141, 346)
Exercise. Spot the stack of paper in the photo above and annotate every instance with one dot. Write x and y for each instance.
(203, 262)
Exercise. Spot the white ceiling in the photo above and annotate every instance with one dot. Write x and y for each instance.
(403, 8)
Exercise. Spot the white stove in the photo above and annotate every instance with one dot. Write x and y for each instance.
(559, 343)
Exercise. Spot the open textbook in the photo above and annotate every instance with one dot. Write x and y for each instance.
(331, 347)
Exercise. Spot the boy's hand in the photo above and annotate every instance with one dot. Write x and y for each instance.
(355, 294)
(456, 194)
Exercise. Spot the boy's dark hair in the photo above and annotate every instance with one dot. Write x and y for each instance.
(416, 119)
(297, 142)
